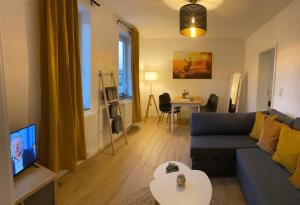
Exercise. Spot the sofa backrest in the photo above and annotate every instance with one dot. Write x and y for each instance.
(296, 124)
(283, 118)
(221, 123)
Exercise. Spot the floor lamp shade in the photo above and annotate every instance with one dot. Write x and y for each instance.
(150, 76)
(193, 20)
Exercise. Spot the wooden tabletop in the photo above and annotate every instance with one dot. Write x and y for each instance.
(196, 100)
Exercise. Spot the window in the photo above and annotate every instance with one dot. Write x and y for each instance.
(125, 86)
(85, 43)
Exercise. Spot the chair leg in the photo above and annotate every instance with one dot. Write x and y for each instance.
(160, 118)
(168, 117)
(169, 123)
(163, 115)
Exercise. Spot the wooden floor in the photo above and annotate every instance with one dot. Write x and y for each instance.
(106, 180)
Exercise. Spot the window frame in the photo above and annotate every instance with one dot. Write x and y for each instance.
(84, 18)
(126, 39)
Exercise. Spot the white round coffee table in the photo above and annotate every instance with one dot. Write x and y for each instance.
(198, 189)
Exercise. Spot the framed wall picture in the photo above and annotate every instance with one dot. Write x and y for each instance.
(192, 65)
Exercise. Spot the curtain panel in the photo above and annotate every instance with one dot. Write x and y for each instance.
(136, 100)
(62, 140)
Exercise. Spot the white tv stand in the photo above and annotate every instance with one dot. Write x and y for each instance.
(36, 185)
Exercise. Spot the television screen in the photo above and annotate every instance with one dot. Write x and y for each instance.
(23, 148)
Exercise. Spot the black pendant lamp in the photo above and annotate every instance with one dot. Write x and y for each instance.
(193, 18)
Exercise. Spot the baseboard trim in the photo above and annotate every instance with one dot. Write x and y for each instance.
(92, 151)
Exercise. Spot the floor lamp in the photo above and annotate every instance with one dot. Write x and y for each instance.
(151, 76)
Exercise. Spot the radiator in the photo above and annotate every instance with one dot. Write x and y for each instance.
(91, 130)
(126, 109)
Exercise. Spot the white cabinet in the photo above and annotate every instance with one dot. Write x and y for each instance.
(35, 186)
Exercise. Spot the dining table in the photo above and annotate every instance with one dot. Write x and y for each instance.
(193, 101)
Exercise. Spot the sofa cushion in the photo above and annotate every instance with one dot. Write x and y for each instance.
(218, 146)
(283, 118)
(295, 178)
(296, 124)
(262, 181)
(288, 148)
(221, 123)
(269, 135)
(258, 124)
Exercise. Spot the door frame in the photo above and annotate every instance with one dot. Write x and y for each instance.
(274, 75)
(275, 47)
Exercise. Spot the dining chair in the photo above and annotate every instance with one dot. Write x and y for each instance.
(165, 107)
(212, 104)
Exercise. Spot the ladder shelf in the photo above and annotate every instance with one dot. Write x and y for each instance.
(112, 102)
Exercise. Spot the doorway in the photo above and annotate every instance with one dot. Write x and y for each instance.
(266, 73)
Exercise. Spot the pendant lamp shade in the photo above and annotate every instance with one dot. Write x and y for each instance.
(193, 19)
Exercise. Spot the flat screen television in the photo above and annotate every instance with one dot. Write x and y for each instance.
(23, 148)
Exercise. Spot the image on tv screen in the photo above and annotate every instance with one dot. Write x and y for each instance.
(23, 148)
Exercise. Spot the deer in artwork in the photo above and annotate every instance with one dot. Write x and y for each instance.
(188, 65)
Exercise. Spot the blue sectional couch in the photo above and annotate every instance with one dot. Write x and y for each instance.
(220, 145)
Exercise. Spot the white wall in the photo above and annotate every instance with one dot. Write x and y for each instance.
(104, 56)
(284, 30)
(157, 55)
(20, 31)
(6, 185)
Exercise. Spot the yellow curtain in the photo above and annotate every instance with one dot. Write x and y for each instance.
(136, 101)
(62, 140)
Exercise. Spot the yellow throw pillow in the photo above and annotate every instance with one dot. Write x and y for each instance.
(288, 148)
(295, 178)
(259, 120)
(269, 135)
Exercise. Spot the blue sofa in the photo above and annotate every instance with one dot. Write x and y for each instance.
(220, 145)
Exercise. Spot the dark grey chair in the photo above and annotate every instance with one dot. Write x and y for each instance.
(165, 106)
(212, 104)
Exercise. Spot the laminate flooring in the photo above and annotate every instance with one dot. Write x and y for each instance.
(107, 180)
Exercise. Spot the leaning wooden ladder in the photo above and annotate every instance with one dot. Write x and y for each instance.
(108, 103)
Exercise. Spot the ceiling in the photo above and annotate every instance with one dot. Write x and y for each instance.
(226, 18)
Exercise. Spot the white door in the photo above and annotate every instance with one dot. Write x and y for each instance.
(266, 71)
